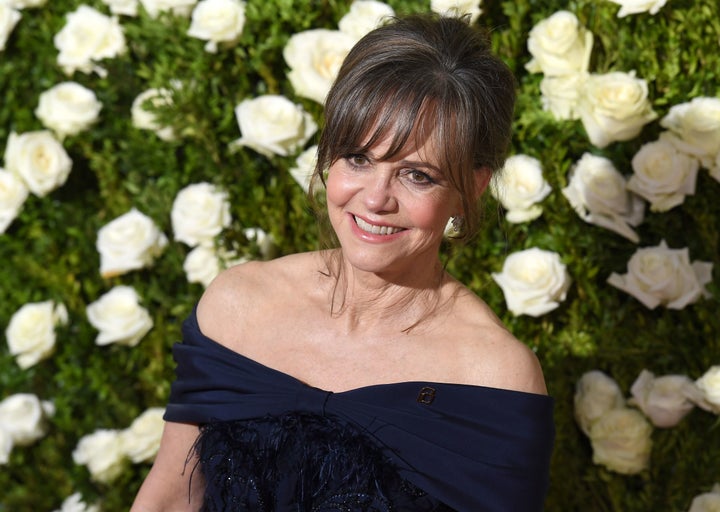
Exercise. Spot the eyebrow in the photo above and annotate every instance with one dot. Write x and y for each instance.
(414, 163)
(409, 163)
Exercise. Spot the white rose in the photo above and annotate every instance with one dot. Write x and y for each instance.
(314, 58)
(199, 213)
(533, 281)
(659, 276)
(305, 167)
(144, 119)
(615, 107)
(13, 194)
(88, 36)
(202, 265)
(599, 195)
(6, 446)
(141, 440)
(560, 46)
(206, 261)
(68, 108)
(74, 503)
(125, 7)
(39, 160)
(264, 242)
(714, 167)
(663, 175)
(595, 394)
(664, 400)
(520, 186)
(8, 19)
(457, 8)
(709, 386)
(174, 7)
(621, 441)
(103, 454)
(638, 6)
(561, 94)
(272, 124)
(363, 17)
(119, 317)
(697, 125)
(707, 501)
(24, 4)
(217, 21)
(31, 332)
(129, 242)
(24, 417)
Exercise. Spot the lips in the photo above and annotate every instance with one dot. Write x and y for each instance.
(375, 230)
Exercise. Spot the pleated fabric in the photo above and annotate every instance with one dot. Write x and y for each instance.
(271, 442)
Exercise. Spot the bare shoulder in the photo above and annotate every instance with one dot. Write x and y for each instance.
(226, 296)
(495, 357)
(242, 293)
(514, 365)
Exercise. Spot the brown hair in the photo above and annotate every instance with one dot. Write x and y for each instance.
(421, 76)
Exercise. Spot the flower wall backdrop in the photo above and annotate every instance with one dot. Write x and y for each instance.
(145, 145)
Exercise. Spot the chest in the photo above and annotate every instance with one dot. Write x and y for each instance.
(318, 351)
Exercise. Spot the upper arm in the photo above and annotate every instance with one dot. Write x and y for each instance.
(172, 485)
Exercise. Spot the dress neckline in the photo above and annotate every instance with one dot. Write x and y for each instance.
(360, 389)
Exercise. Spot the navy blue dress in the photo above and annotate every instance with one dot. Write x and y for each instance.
(270, 442)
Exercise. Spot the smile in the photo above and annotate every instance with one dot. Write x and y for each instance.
(375, 230)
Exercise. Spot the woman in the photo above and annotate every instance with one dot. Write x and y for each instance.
(365, 377)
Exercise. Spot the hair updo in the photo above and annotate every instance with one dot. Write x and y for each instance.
(424, 76)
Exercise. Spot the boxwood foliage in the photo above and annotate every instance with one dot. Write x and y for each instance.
(49, 252)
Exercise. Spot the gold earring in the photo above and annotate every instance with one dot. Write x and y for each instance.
(457, 223)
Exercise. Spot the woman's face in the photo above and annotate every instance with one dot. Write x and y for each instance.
(390, 216)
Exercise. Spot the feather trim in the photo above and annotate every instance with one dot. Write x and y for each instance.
(300, 462)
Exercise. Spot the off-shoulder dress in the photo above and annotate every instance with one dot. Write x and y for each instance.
(270, 442)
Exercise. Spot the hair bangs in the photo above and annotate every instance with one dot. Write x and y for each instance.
(398, 115)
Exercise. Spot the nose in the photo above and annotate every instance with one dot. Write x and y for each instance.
(379, 193)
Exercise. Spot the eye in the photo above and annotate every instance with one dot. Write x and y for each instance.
(417, 177)
(356, 160)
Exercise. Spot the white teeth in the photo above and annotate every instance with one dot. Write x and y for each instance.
(375, 230)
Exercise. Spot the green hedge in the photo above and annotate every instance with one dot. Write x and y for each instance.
(48, 252)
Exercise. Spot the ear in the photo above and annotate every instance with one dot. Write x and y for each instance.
(483, 175)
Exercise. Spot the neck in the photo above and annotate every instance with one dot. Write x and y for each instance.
(398, 302)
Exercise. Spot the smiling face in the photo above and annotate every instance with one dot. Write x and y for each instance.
(390, 214)
(432, 73)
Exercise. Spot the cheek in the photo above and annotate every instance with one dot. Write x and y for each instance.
(334, 190)
(430, 213)
(339, 189)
